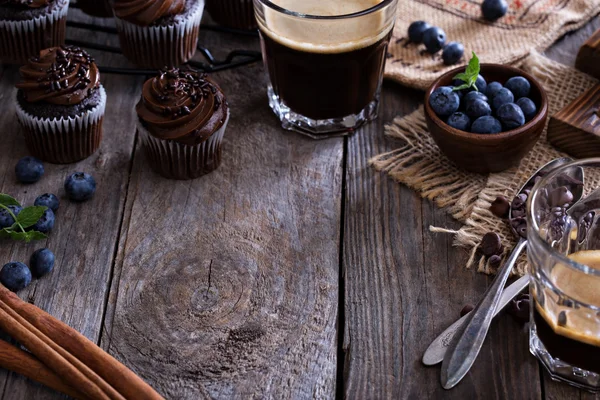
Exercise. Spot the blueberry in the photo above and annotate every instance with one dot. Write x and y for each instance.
(487, 124)
(459, 121)
(15, 276)
(503, 96)
(528, 107)
(452, 53)
(511, 116)
(434, 39)
(41, 262)
(444, 101)
(494, 9)
(49, 200)
(471, 96)
(45, 223)
(80, 186)
(29, 170)
(481, 84)
(416, 29)
(478, 108)
(6, 220)
(492, 89)
(519, 86)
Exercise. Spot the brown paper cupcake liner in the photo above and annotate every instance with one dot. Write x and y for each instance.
(161, 46)
(176, 160)
(232, 13)
(19, 40)
(64, 140)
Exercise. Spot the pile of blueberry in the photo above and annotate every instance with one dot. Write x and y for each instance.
(434, 39)
(492, 108)
(16, 275)
(78, 187)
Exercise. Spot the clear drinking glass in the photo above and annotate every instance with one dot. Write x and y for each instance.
(564, 259)
(325, 71)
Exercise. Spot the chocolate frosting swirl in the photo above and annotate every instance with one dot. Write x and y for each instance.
(146, 12)
(62, 75)
(182, 105)
(26, 3)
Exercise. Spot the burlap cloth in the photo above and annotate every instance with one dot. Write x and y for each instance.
(418, 163)
(528, 25)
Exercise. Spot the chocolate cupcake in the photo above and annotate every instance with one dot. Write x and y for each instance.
(237, 14)
(60, 105)
(157, 34)
(29, 26)
(96, 8)
(182, 119)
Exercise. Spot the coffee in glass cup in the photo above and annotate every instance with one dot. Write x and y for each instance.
(325, 61)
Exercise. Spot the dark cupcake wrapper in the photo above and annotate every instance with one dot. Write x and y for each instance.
(161, 46)
(237, 14)
(20, 40)
(64, 140)
(175, 160)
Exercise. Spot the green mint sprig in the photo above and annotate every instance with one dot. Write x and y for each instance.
(25, 219)
(469, 77)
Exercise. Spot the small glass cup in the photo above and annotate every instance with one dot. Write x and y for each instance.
(564, 259)
(325, 72)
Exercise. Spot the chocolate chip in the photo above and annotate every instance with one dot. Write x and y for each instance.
(466, 309)
(562, 319)
(495, 261)
(560, 196)
(491, 244)
(500, 207)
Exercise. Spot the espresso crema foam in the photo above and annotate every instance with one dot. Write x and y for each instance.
(582, 287)
(325, 36)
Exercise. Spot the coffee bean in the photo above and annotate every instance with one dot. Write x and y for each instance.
(519, 212)
(519, 308)
(560, 196)
(491, 244)
(500, 207)
(519, 201)
(495, 261)
(466, 309)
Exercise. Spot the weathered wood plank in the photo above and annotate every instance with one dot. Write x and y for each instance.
(405, 285)
(227, 286)
(85, 235)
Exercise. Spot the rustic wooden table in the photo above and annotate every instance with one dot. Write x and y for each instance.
(293, 271)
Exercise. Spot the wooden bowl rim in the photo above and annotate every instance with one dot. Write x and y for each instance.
(494, 137)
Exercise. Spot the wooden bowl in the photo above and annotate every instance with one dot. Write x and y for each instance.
(484, 153)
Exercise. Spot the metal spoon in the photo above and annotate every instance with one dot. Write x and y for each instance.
(464, 348)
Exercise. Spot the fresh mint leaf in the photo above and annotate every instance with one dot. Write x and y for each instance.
(30, 215)
(4, 233)
(35, 235)
(22, 236)
(469, 77)
(8, 200)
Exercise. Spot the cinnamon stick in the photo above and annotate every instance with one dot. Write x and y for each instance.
(127, 383)
(23, 363)
(50, 357)
(84, 369)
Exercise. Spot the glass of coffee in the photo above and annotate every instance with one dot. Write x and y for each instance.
(564, 260)
(325, 61)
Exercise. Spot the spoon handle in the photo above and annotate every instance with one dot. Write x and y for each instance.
(437, 349)
(465, 346)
